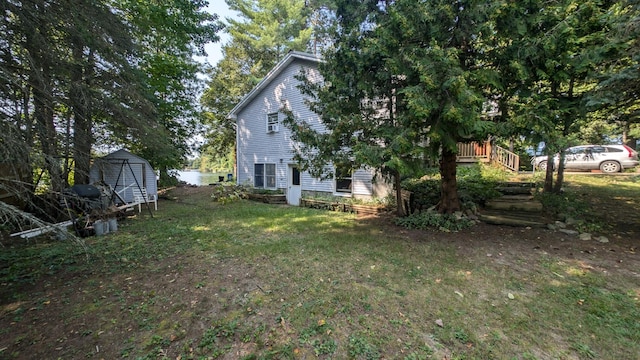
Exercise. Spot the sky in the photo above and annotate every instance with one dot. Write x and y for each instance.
(214, 50)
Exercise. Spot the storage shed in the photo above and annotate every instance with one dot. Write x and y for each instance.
(127, 174)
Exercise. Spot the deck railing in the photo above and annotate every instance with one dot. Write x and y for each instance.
(474, 152)
(507, 158)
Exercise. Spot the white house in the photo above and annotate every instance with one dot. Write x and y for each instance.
(265, 148)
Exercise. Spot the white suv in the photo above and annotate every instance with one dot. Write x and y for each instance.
(608, 158)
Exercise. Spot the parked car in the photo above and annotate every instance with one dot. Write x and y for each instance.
(608, 158)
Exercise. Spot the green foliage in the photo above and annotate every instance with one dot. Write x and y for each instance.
(271, 28)
(476, 185)
(426, 192)
(360, 348)
(550, 70)
(400, 84)
(386, 201)
(225, 194)
(434, 220)
(214, 162)
(80, 75)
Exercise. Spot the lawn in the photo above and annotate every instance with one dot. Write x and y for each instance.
(247, 280)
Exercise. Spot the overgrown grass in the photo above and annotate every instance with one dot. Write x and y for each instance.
(254, 281)
(596, 202)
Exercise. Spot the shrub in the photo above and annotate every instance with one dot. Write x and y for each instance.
(476, 185)
(432, 219)
(227, 194)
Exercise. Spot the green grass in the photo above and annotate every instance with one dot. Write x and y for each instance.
(256, 281)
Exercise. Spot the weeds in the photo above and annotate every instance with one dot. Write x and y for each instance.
(225, 194)
(432, 219)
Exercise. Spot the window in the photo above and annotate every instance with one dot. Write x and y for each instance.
(264, 176)
(272, 123)
(295, 176)
(343, 179)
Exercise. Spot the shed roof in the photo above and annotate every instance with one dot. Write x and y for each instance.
(288, 59)
(122, 154)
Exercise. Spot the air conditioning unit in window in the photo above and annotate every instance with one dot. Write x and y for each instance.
(272, 128)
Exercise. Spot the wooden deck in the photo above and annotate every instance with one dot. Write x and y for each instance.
(484, 152)
(474, 152)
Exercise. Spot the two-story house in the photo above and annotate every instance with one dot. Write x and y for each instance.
(265, 148)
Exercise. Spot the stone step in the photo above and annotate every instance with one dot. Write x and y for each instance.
(517, 184)
(514, 204)
(517, 197)
(513, 219)
(515, 190)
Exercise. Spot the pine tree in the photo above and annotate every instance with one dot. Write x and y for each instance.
(419, 61)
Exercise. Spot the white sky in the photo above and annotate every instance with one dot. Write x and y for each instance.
(214, 51)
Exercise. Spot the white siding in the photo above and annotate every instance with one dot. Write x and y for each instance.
(115, 167)
(255, 145)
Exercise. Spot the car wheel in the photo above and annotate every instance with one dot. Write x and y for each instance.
(610, 167)
(542, 166)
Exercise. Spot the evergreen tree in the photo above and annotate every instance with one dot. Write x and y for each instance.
(558, 48)
(419, 62)
(618, 90)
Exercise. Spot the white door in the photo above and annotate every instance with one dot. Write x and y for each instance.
(294, 192)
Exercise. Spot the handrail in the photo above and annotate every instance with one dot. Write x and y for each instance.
(506, 158)
(473, 152)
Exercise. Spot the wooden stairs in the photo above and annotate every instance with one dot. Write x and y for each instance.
(516, 207)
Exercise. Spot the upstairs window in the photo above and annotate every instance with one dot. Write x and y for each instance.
(273, 125)
(264, 176)
(344, 180)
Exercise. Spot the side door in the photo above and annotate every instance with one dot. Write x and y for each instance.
(294, 189)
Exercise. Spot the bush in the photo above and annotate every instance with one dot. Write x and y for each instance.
(432, 219)
(265, 191)
(226, 194)
(476, 185)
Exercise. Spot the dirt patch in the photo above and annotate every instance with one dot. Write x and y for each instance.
(183, 190)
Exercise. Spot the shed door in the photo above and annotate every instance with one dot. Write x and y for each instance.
(128, 178)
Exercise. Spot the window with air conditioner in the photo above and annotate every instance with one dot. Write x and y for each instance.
(272, 123)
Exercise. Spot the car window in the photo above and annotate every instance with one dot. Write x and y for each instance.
(613, 149)
(598, 149)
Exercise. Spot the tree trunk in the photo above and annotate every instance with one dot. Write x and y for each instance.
(449, 200)
(82, 119)
(397, 184)
(40, 81)
(627, 139)
(43, 112)
(557, 188)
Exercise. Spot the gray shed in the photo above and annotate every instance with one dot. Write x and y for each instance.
(124, 172)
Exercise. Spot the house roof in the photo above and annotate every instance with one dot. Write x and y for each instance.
(288, 59)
